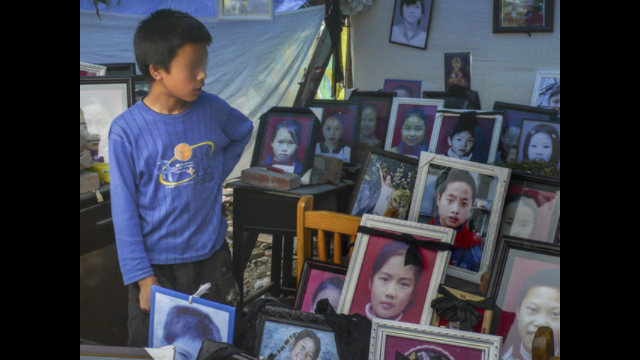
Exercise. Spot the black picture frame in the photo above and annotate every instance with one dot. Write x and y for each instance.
(461, 98)
(505, 245)
(356, 108)
(411, 162)
(376, 98)
(539, 180)
(428, 5)
(465, 60)
(290, 317)
(120, 69)
(306, 271)
(547, 17)
(310, 140)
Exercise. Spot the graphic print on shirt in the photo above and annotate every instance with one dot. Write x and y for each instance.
(190, 164)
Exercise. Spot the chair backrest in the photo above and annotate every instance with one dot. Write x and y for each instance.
(321, 220)
(543, 347)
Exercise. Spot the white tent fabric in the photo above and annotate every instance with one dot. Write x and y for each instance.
(253, 65)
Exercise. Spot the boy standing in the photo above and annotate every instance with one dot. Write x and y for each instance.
(169, 155)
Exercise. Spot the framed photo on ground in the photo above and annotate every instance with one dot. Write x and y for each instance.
(546, 91)
(403, 88)
(466, 196)
(176, 321)
(429, 342)
(532, 207)
(457, 70)
(525, 282)
(380, 286)
(539, 141)
(286, 139)
(340, 127)
(319, 280)
(102, 99)
(451, 303)
(512, 117)
(289, 334)
(471, 136)
(410, 23)
(385, 185)
(376, 106)
(512, 16)
(411, 125)
(245, 10)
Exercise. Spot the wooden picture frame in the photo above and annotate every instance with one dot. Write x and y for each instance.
(327, 272)
(511, 16)
(349, 113)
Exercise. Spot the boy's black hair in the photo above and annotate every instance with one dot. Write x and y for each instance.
(455, 175)
(188, 320)
(464, 123)
(547, 277)
(411, 2)
(292, 126)
(160, 35)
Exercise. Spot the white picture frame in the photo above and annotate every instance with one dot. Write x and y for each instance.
(543, 79)
(93, 69)
(244, 10)
(354, 271)
(502, 176)
(493, 141)
(448, 340)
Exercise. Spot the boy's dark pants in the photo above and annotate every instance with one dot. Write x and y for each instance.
(185, 278)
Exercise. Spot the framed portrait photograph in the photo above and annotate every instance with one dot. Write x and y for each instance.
(512, 116)
(289, 334)
(102, 99)
(532, 207)
(411, 341)
(385, 185)
(375, 108)
(469, 100)
(539, 141)
(245, 10)
(175, 321)
(286, 139)
(525, 282)
(319, 280)
(340, 127)
(513, 16)
(466, 197)
(457, 70)
(410, 23)
(467, 136)
(403, 88)
(411, 125)
(451, 303)
(380, 286)
(121, 69)
(546, 91)
(87, 69)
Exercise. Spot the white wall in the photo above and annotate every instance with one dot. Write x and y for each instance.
(503, 65)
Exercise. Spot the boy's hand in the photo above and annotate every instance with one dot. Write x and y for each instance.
(145, 292)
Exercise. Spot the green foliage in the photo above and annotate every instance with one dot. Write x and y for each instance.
(536, 167)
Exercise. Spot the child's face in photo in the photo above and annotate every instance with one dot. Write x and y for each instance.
(187, 347)
(401, 92)
(554, 103)
(368, 122)
(461, 143)
(392, 287)
(331, 293)
(540, 147)
(187, 72)
(413, 130)
(303, 349)
(518, 220)
(454, 205)
(412, 13)
(510, 138)
(332, 131)
(540, 307)
(283, 145)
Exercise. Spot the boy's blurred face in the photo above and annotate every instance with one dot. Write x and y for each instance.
(185, 77)
(540, 307)
(454, 204)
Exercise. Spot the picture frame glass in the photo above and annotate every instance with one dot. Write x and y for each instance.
(338, 130)
(530, 284)
(410, 23)
(471, 140)
(457, 70)
(456, 209)
(101, 104)
(374, 120)
(531, 211)
(385, 187)
(275, 333)
(412, 128)
(522, 13)
(287, 141)
(245, 9)
(546, 92)
(422, 349)
(322, 284)
(540, 141)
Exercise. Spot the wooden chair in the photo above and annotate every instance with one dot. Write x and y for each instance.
(543, 347)
(309, 219)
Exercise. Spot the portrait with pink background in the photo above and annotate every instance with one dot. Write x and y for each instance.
(383, 107)
(305, 124)
(430, 110)
(316, 277)
(349, 115)
(483, 135)
(406, 346)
